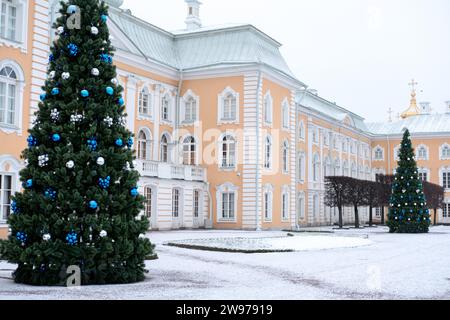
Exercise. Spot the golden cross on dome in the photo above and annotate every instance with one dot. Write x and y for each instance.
(413, 84)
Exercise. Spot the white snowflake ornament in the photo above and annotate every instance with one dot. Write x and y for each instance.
(103, 233)
(54, 114)
(75, 118)
(51, 74)
(43, 160)
(108, 121)
(46, 237)
(65, 75)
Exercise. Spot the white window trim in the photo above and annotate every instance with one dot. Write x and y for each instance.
(441, 156)
(285, 105)
(200, 204)
(14, 168)
(270, 167)
(171, 108)
(301, 214)
(220, 152)
(149, 145)
(301, 178)
(196, 153)
(427, 150)
(180, 204)
(396, 152)
(151, 101)
(268, 189)
(268, 121)
(189, 94)
(169, 147)
(220, 104)
(21, 27)
(441, 180)
(224, 188)
(314, 132)
(316, 177)
(17, 128)
(285, 146)
(301, 131)
(285, 191)
(425, 170)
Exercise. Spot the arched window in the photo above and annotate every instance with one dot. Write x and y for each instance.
(143, 146)
(301, 130)
(378, 154)
(316, 168)
(422, 152)
(165, 154)
(189, 151)
(8, 96)
(301, 166)
(165, 108)
(445, 152)
(268, 106)
(190, 111)
(228, 152)
(285, 154)
(145, 107)
(268, 153)
(285, 114)
(228, 111)
(301, 206)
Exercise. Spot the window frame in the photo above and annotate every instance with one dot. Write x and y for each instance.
(226, 93)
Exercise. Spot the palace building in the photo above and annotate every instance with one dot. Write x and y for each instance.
(226, 135)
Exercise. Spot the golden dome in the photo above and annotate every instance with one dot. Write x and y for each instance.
(413, 109)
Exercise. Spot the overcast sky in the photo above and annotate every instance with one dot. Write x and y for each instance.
(360, 54)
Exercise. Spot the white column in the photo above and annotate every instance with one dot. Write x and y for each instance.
(156, 121)
(131, 102)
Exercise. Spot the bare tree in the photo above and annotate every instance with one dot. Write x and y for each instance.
(434, 194)
(372, 197)
(385, 192)
(355, 195)
(335, 189)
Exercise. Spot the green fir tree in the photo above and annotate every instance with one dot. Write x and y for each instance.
(80, 203)
(408, 207)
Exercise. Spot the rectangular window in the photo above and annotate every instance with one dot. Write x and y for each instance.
(148, 202)
(144, 104)
(228, 205)
(176, 203)
(8, 20)
(196, 203)
(378, 212)
(2, 102)
(423, 176)
(446, 210)
(5, 195)
(285, 205)
(267, 206)
(446, 180)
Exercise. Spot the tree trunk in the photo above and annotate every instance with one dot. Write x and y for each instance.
(356, 218)
(370, 216)
(382, 215)
(341, 225)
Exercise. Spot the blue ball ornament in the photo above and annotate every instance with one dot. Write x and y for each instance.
(93, 204)
(55, 91)
(56, 137)
(134, 192)
(104, 17)
(121, 102)
(109, 91)
(29, 183)
(72, 9)
(72, 238)
(21, 236)
(119, 142)
(14, 207)
(31, 141)
(51, 58)
(84, 93)
(106, 58)
(43, 96)
(130, 142)
(73, 49)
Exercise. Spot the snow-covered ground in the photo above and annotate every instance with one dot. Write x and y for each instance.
(392, 267)
(304, 242)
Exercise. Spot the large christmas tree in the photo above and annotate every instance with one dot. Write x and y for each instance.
(80, 204)
(408, 207)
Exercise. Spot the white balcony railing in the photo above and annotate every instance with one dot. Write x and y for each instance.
(162, 170)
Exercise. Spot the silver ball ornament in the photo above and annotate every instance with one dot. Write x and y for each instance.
(100, 161)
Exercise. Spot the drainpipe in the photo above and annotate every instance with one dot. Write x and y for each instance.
(258, 89)
(297, 113)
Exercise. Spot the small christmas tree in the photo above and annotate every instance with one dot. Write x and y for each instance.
(408, 207)
(80, 204)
